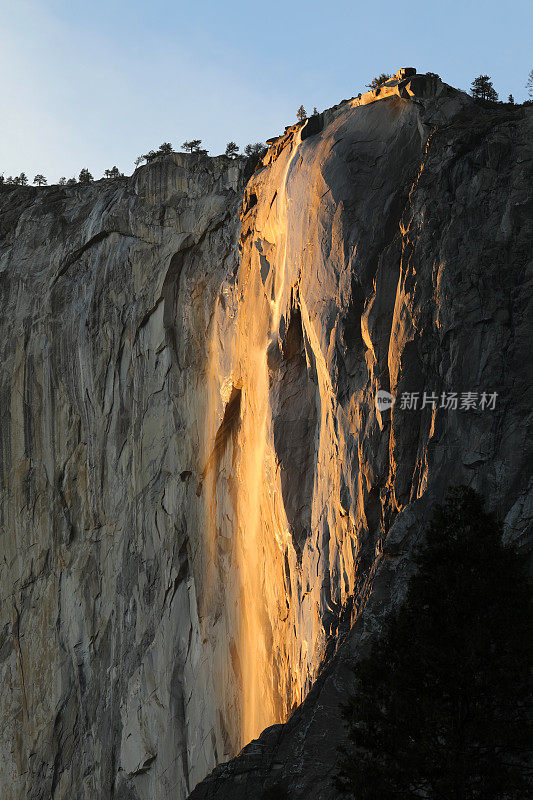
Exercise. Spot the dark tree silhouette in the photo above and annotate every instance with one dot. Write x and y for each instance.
(257, 149)
(72, 182)
(40, 180)
(114, 172)
(232, 148)
(529, 84)
(482, 89)
(62, 181)
(378, 80)
(443, 703)
(510, 99)
(192, 146)
(301, 114)
(276, 792)
(165, 149)
(85, 176)
(22, 179)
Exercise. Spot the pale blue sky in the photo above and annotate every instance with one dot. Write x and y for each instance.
(93, 84)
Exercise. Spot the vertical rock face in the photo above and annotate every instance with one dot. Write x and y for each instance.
(204, 514)
(107, 293)
(388, 249)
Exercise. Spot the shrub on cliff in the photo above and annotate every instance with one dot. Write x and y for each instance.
(378, 81)
(443, 703)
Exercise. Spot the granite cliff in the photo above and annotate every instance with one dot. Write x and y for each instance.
(205, 516)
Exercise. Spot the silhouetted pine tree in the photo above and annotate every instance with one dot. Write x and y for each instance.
(529, 84)
(165, 149)
(482, 89)
(85, 176)
(232, 148)
(443, 705)
(193, 145)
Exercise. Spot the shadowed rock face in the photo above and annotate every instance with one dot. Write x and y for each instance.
(294, 391)
(205, 518)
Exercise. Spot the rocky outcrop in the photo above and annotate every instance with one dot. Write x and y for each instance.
(205, 515)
